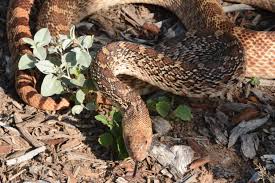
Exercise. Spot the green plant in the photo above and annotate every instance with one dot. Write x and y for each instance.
(63, 61)
(164, 107)
(113, 138)
(254, 81)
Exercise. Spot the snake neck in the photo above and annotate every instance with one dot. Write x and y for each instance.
(136, 122)
(195, 71)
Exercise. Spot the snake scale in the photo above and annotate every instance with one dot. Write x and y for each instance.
(211, 57)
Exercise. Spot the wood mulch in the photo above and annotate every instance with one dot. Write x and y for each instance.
(232, 141)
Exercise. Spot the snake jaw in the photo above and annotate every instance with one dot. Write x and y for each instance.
(137, 132)
(138, 147)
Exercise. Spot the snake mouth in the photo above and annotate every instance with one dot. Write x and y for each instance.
(139, 158)
(140, 153)
(138, 148)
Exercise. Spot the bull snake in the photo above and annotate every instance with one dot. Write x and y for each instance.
(213, 56)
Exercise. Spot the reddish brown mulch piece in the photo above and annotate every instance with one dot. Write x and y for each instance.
(245, 115)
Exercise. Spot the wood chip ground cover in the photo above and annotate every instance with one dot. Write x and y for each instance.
(35, 145)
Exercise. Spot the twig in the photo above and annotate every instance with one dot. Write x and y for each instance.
(33, 120)
(76, 172)
(16, 175)
(199, 162)
(25, 157)
(9, 128)
(237, 7)
(58, 136)
(29, 137)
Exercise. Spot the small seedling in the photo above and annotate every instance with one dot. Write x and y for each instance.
(164, 107)
(254, 81)
(113, 139)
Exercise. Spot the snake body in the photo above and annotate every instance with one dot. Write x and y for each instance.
(213, 56)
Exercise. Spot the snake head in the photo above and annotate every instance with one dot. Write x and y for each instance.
(137, 131)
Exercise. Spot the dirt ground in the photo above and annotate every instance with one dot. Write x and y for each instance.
(67, 146)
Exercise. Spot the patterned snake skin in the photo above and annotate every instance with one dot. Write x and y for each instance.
(200, 64)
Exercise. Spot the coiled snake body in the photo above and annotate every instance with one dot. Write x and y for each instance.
(213, 56)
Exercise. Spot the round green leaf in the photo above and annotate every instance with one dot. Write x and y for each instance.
(52, 50)
(122, 152)
(103, 119)
(76, 49)
(70, 57)
(80, 96)
(29, 41)
(40, 53)
(163, 98)
(90, 106)
(163, 108)
(79, 81)
(87, 42)
(66, 43)
(89, 84)
(74, 71)
(51, 85)
(151, 104)
(77, 109)
(183, 112)
(80, 39)
(106, 139)
(117, 117)
(46, 67)
(83, 58)
(26, 62)
(43, 37)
